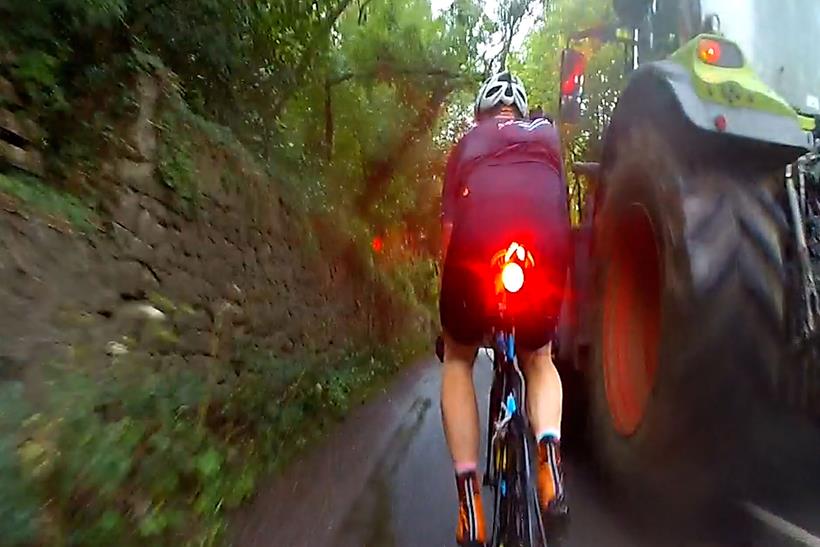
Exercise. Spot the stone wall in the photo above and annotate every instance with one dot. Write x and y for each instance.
(238, 268)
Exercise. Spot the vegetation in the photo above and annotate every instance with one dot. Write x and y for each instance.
(33, 195)
(122, 456)
(350, 105)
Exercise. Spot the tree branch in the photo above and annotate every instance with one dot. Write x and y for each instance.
(380, 172)
(437, 72)
(512, 13)
(308, 55)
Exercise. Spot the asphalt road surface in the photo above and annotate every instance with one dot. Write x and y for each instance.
(384, 479)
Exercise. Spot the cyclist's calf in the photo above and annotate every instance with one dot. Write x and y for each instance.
(544, 392)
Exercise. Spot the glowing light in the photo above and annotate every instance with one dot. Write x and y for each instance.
(709, 51)
(513, 277)
(511, 251)
(574, 73)
(377, 244)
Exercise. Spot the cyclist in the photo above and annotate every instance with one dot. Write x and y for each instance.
(503, 183)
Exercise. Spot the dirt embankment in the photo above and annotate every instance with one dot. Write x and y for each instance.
(229, 263)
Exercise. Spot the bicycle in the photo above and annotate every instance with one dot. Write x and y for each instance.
(511, 446)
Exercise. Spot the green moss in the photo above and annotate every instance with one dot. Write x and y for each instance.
(38, 197)
(175, 160)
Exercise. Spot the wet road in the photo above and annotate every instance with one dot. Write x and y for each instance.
(384, 479)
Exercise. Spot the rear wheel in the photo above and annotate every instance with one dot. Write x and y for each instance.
(690, 301)
(517, 520)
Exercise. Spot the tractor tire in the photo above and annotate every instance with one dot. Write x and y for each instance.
(688, 325)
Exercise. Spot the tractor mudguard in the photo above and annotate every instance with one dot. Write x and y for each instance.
(730, 101)
(737, 121)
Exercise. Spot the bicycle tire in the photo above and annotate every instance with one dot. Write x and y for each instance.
(516, 514)
(517, 521)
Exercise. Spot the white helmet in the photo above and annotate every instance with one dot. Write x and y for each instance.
(502, 88)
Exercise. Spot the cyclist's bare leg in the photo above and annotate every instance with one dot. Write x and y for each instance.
(459, 412)
(544, 401)
(544, 392)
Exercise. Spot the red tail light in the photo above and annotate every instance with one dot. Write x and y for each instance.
(512, 276)
(510, 264)
(572, 77)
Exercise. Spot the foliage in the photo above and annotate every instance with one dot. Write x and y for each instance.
(175, 161)
(18, 505)
(36, 196)
(338, 97)
(124, 457)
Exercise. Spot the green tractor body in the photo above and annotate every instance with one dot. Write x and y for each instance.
(742, 81)
(779, 40)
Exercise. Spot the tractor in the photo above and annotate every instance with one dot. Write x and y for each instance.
(693, 311)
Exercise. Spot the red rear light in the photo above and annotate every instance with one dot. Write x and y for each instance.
(511, 263)
(512, 276)
(710, 51)
(574, 69)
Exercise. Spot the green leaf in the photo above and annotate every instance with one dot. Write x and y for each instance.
(209, 463)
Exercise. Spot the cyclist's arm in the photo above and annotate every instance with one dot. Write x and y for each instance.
(449, 196)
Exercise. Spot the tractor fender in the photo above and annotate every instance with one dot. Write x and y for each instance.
(755, 126)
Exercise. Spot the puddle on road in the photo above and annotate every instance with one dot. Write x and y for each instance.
(370, 520)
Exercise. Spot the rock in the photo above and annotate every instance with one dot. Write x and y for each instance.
(138, 175)
(141, 311)
(180, 287)
(21, 126)
(130, 245)
(196, 320)
(128, 211)
(218, 270)
(195, 342)
(148, 229)
(133, 278)
(26, 159)
(232, 292)
(116, 348)
(202, 363)
(191, 242)
(96, 299)
(249, 259)
(167, 255)
(143, 134)
(159, 211)
(282, 342)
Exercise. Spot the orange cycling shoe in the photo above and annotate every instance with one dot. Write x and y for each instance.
(471, 528)
(551, 494)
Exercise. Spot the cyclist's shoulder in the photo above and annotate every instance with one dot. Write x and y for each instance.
(497, 137)
(540, 127)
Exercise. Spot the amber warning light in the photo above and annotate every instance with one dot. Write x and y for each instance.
(709, 51)
(721, 53)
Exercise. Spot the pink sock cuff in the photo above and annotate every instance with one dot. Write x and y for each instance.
(465, 467)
